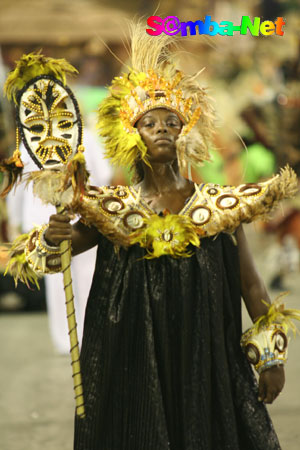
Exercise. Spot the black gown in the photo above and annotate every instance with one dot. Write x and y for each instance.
(161, 361)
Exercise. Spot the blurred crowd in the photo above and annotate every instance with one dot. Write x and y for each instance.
(253, 81)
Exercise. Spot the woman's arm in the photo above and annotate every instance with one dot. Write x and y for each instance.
(252, 285)
(83, 237)
(271, 381)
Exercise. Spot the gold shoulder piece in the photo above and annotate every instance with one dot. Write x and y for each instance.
(215, 208)
(116, 212)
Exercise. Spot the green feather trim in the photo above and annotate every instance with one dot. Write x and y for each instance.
(33, 65)
(169, 235)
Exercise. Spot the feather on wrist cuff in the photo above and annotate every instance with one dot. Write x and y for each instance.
(266, 344)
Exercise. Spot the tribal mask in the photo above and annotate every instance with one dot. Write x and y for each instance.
(49, 121)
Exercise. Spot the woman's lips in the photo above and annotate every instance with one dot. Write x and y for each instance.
(161, 139)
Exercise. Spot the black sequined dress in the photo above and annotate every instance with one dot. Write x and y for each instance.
(161, 361)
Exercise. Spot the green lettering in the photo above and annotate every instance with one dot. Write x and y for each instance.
(247, 24)
(226, 28)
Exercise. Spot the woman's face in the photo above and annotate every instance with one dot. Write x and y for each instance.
(159, 129)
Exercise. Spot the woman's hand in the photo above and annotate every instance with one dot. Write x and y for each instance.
(83, 237)
(59, 229)
(271, 382)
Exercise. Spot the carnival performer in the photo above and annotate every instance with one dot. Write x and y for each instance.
(161, 359)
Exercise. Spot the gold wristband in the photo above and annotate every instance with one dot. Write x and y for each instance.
(266, 343)
(42, 257)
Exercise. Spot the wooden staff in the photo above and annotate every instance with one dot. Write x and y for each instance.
(65, 248)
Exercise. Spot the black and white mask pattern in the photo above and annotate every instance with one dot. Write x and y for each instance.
(49, 122)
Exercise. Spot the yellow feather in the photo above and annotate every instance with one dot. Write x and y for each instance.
(169, 235)
(33, 65)
(17, 265)
(277, 314)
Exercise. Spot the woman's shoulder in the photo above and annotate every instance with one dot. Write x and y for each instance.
(214, 208)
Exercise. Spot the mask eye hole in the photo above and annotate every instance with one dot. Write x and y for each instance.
(280, 341)
(34, 100)
(252, 354)
(37, 129)
(65, 124)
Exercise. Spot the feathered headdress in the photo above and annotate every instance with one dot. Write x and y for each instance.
(154, 82)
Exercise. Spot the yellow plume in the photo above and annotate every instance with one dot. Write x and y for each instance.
(33, 65)
(17, 265)
(277, 314)
(169, 235)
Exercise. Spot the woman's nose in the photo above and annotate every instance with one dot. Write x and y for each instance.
(161, 127)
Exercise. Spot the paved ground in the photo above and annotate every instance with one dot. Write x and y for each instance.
(36, 399)
(36, 407)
